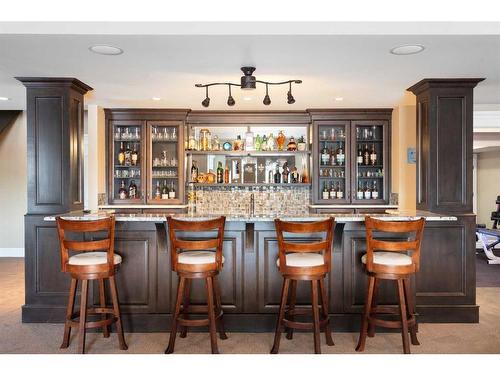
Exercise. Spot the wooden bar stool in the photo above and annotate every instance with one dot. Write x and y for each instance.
(96, 261)
(385, 260)
(303, 261)
(197, 259)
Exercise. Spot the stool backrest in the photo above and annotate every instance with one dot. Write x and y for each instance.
(413, 230)
(178, 244)
(324, 246)
(87, 226)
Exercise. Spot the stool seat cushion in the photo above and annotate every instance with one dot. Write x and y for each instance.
(92, 258)
(303, 260)
(389, 258)
(197, 257)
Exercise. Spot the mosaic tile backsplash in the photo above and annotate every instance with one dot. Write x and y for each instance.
(268, 201)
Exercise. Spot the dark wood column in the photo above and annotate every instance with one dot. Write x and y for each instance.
(55, 144)
(444, 144)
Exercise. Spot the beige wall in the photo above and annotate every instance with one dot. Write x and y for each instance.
(488, 185)
(13, 197)
(403, 177)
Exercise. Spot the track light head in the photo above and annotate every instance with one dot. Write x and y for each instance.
(267, 100)
(230, 101)
(290, 98)
(206, 102)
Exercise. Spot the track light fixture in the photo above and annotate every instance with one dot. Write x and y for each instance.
(230, 99)
(206, 101)
(249, 82)
(267, 99)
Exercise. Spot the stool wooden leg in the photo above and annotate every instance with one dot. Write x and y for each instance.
(291, 307)
(69, 313)
(366, 314)
(173, 325)
(102, 300)
(324, 310)
(83, 317)
(211, 314)
(116, 311)
(410, 302)
(218, 305)
(315, 311)
(185, 306)
(281, 315)
(404, 321)
(371, 327)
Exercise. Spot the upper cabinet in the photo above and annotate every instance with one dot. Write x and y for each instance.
(351, 156)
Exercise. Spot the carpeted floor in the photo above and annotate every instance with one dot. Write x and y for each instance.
(487, 275)
(46, 338)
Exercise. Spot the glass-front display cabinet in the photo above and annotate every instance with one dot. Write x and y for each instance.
(351, 162)
(126, 172)
(146, 162)
(239, 155)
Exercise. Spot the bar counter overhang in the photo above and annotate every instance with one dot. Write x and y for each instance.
(445, 284)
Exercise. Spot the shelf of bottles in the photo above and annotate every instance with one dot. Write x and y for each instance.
(333, 172)
(127, 166)
(248, 156)
(164, 174)
(369, 174)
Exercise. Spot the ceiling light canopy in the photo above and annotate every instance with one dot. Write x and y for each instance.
(408, 49)
(103, 49)
(249, 82)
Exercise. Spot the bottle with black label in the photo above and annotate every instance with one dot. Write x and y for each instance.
(220, 173)
(359, 159)
(164, 190)
(373, 156)
(366, 156)
(132, 190)
(374, 190)
(326, 194)
(325, 156)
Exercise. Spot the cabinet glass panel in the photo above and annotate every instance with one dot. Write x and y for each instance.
(332, 163)
(164, 171)
(370, 164)
(127, 163)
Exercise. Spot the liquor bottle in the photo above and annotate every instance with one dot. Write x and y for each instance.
(277, 174)
(271, 144)
(220, 173)
(135, 156)
(295, 175)
(132, 190)
(333, 193)
(128, 156)
(158, 190)
(237, 143)
(122, 192)
(325, 156)
(360, 194)
(340, 192)
(333, 161)
(359, 159)
(263, 146)
(226, 175)
(326, 193)
(286, 172)
(164, 190)
(258, 143)
(121, 155)
(292, 145)
(236, 176)
(280, 140)
(368, 193)
(340, 155)
(171, 193)
(373, 156)
(374, 190)
(194, 172)
(249, 140)
(366, 156)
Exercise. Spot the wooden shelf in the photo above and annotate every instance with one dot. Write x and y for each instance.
(249, 153)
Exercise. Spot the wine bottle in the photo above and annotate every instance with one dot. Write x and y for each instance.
(286, 172)
(226, 175)
(340, 192)
(373, 156)
(135, 156)
(194, 172)
(122, 192)
(277, 174)
(132, 190)
(340, 155)
(325, 156)
(333, 161)
(360, 193)
(326, 193)
(374, 190)
(121, 155)
(171, 193)
(220, 173)
(360, 156)
(128, 156)
(333, 194)
(366, 156)
(367, 191)
(164, 190)
(158, 190)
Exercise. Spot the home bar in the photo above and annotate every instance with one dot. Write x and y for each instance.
(250, 167)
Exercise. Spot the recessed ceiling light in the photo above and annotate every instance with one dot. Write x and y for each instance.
(102, 49)
(339, 99)
(4, 98)
(247, 98)
(408, 49)
(156, 98)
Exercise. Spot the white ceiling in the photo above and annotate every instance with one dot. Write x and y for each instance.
(358, 68)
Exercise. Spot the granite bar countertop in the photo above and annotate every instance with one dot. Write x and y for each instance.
(391, 215)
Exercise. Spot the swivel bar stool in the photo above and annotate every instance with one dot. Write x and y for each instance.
(303, 261)
(90, 264)
(197, 259)
(391, 264)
